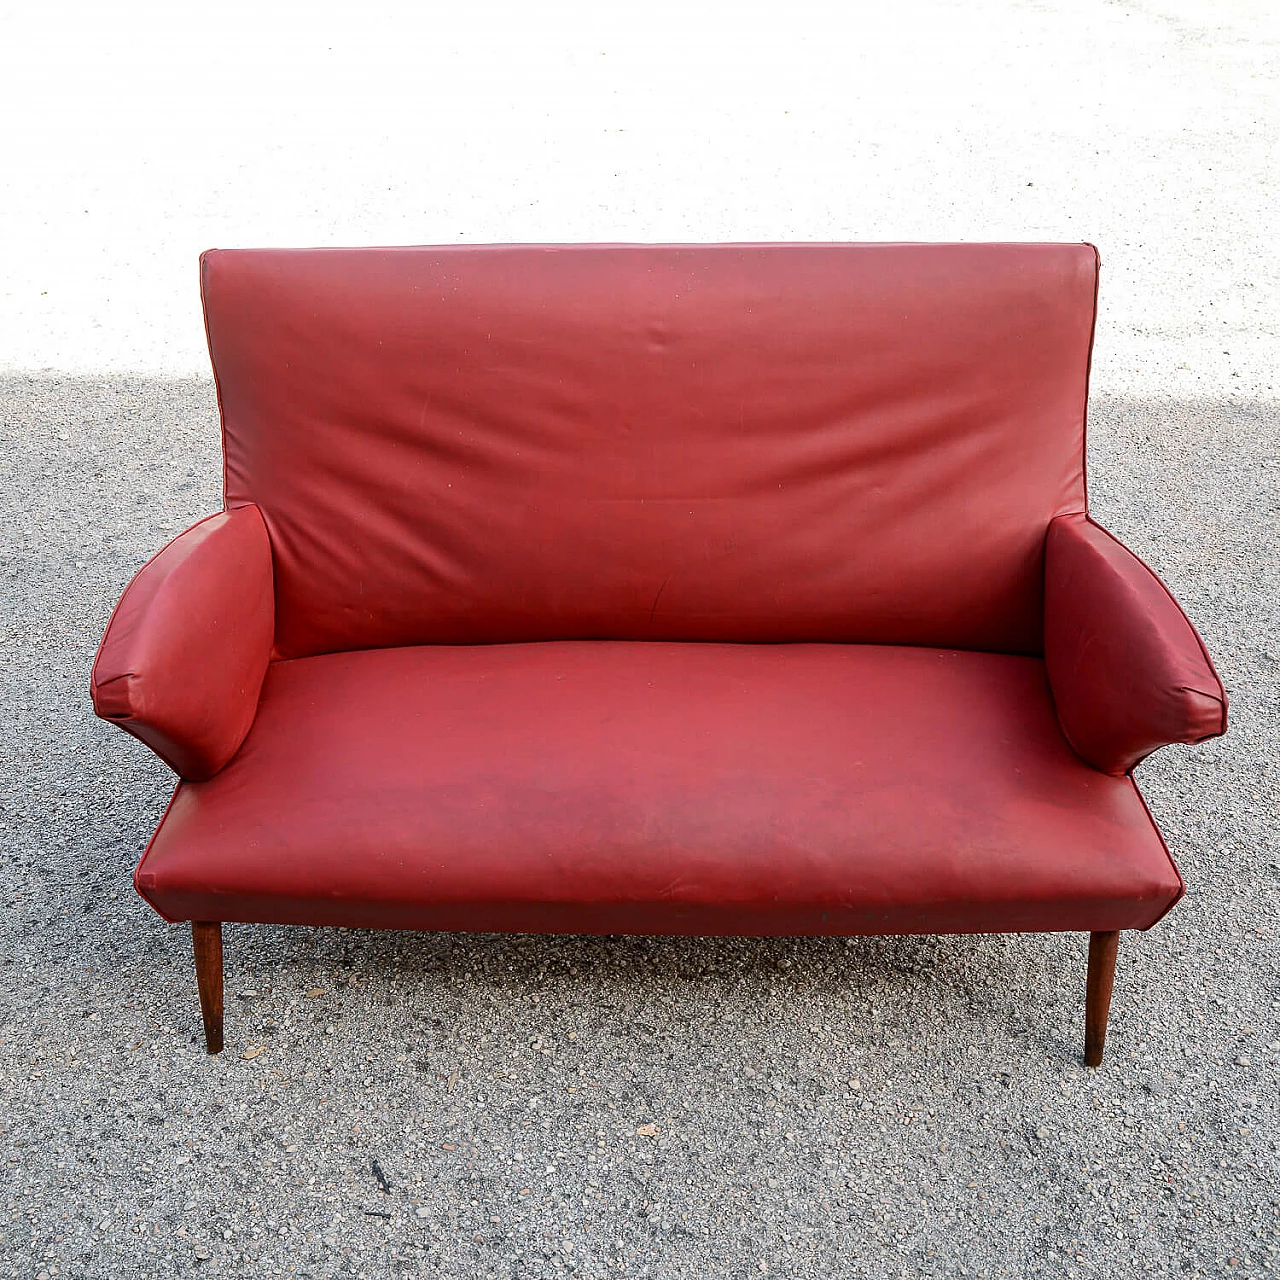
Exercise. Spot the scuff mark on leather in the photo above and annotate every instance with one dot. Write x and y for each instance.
(661, 589)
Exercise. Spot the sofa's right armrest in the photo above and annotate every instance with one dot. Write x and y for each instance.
(184, 655)
(1129, 672)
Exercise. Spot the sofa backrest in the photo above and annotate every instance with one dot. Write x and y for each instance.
(734, 442)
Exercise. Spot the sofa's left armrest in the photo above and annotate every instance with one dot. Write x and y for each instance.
(1129, 672)
(184, 655)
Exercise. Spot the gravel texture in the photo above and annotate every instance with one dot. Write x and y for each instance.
(473, 1106)
(461, 1106)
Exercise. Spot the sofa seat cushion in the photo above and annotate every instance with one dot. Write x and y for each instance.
(629, 787)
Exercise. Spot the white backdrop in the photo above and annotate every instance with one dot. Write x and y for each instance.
(132, 136)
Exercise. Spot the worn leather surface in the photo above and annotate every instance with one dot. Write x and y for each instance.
(1128, 670)
(661, 788)
(858, 443)
(183, 658)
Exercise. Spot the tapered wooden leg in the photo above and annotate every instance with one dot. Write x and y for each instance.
(1102, 974)
(206, 942)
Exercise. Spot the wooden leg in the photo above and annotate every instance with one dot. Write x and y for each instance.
(1102, 973)
(206, 942)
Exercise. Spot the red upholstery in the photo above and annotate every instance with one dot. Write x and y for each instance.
(742, 443)
(661, 788)
(181, 664)
(1129, 672)
(437, 457)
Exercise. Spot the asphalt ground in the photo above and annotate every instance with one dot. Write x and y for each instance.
(462, 1106)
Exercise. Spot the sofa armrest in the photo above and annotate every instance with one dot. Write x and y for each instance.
(1129, 672)
(185, 652)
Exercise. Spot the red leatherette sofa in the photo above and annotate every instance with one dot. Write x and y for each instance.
(734, 589)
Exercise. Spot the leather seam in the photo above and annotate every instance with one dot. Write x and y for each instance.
(1088, 377)
(106, 684)
(1222, 715)
(213, 364)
